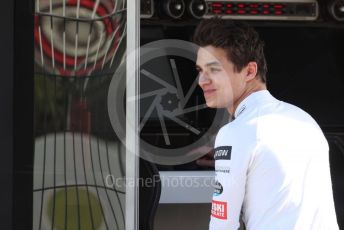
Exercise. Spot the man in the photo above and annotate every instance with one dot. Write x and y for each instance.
(271, 160)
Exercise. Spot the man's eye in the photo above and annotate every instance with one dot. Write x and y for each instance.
(214, 70)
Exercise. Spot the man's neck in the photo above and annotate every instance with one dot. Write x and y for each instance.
(258, 86)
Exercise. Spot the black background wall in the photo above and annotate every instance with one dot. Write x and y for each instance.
(23, 89)
(16, 110)
(6, 113)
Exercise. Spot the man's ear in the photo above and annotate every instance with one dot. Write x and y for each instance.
(251, 70)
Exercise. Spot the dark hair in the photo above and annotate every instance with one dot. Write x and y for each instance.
(241, 42)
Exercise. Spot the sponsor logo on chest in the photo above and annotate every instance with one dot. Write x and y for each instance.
(222, 170)
(219, 209)
(218, 188)
(223, 153)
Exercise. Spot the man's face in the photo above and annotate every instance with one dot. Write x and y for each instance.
(221, 84)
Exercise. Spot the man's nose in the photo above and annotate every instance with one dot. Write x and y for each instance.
(203, 79)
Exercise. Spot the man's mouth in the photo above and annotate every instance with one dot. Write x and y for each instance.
(208, 92)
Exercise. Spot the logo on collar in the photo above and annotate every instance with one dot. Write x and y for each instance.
(241, 110)
(223, 153)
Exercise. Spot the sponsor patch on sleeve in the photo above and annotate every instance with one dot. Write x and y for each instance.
(223, 153)
(219, 209)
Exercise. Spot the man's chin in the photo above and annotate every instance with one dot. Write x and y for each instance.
(214, 105)
(211, 105)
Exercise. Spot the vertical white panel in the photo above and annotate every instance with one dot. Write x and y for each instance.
(132, 142)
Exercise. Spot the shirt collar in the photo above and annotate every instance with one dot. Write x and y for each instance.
(251, 100)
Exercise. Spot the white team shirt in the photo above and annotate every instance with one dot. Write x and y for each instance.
(272, 164)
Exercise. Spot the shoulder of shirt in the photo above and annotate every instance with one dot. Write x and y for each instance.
(260, 115)
(285, 120)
